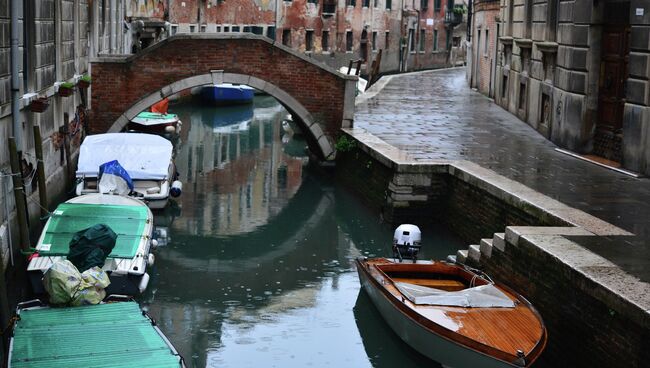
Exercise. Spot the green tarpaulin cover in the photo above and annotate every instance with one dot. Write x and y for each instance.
(127, 222)
(90, 247)
(104, 335)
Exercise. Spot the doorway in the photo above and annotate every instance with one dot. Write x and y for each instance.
(615, 54)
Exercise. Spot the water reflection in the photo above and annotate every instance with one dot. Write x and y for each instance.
(259, 269)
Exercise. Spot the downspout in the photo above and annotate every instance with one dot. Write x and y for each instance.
(15, 80)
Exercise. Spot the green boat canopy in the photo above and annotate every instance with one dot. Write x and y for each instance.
(104, 335)
(127, 222)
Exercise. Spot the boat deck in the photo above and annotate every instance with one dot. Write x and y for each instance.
(127, 222)
(104, 335)
(495, 331)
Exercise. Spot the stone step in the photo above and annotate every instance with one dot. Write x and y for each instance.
(499, 241)
(474, 253)
(461, 256)
(486, 248)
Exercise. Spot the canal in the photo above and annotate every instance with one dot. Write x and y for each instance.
(258, 268)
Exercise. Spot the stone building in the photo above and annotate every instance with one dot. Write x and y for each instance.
(577, 71)
(410, 34)
(54, 42)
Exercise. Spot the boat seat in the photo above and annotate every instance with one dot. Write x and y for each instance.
(447, 285)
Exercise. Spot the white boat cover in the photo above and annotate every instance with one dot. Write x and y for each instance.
(484, 296)
(143, 156)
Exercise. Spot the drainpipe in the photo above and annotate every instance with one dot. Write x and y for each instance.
(15, 80)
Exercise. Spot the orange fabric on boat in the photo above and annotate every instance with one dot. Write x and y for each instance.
(161, 106)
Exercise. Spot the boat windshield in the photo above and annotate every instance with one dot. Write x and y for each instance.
(484, 296)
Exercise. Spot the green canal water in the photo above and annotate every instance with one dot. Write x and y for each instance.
(258, 270)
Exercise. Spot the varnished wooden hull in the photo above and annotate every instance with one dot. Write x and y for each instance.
(413, 331)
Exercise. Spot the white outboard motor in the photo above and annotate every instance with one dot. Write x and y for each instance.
(407, 242)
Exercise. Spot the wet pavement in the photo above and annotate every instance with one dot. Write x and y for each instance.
(434, 115)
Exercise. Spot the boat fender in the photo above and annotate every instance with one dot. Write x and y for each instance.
(150, 260)
(153, 190)
(154, 243)
(177, 188)
(144, 282)
(170, 129)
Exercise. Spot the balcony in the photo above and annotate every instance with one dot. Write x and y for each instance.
(454, 16)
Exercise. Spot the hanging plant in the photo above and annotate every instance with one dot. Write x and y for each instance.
(66, 89)
(84, 81)
(39, 104)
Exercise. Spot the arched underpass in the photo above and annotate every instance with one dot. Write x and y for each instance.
(320, 97)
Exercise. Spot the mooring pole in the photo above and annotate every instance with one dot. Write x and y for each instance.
(40, 166)
(19, 194)
(66, 144)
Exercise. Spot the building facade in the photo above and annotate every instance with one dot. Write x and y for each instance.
(482, 54)
(577, 71)
(410, 35)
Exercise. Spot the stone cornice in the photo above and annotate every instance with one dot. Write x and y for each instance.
(547, 47)
(524, 43)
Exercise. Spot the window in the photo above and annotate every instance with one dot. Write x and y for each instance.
(348, 41)
(247, 29)
(192, 28)
(235, 28)
(270, 32)
(388, 4)
(218, 28)
(411, 40)
(456, 41)
(435, 40)
(376, 3)
(365, 3)
(286, 37)
(424, 4)
(325, 41)
(387, 41)
(374, 41)
(351, 2)
(487, 40)
(203, 28)
(309, 41)
(258, 30)
(448, 40)
(436, 5)
(226, 28)
(174, 29)
(312, 1)
(329, 6)
(422, 38)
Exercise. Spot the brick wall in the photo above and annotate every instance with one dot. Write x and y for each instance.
(485, 13)
(119, 85)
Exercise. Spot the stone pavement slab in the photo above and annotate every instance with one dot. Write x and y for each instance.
(435, 116)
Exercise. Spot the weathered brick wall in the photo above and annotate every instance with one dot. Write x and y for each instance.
(119, 85)
(583, 332)
(474, 214)
(485, 14)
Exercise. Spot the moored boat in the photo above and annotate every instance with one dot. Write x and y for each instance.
(452, 315)
(163, 124)
(117, 334)
(227, 94)
(127, 263)
(147, 158)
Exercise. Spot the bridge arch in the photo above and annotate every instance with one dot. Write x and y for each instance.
(321, 98)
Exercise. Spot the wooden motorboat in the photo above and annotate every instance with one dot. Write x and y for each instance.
(453, 315)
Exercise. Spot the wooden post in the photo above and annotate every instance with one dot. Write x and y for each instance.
(66, 146)
(19, 194)
(40, 166)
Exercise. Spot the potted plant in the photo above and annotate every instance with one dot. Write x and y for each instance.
(84, 81)
(66, 89)
(39, 104)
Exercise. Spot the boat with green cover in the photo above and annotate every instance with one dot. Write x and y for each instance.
(129, 218)
(104, 335)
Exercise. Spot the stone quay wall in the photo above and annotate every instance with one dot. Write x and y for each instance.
(595, 313)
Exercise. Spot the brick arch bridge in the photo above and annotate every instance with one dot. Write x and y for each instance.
(321, 98)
